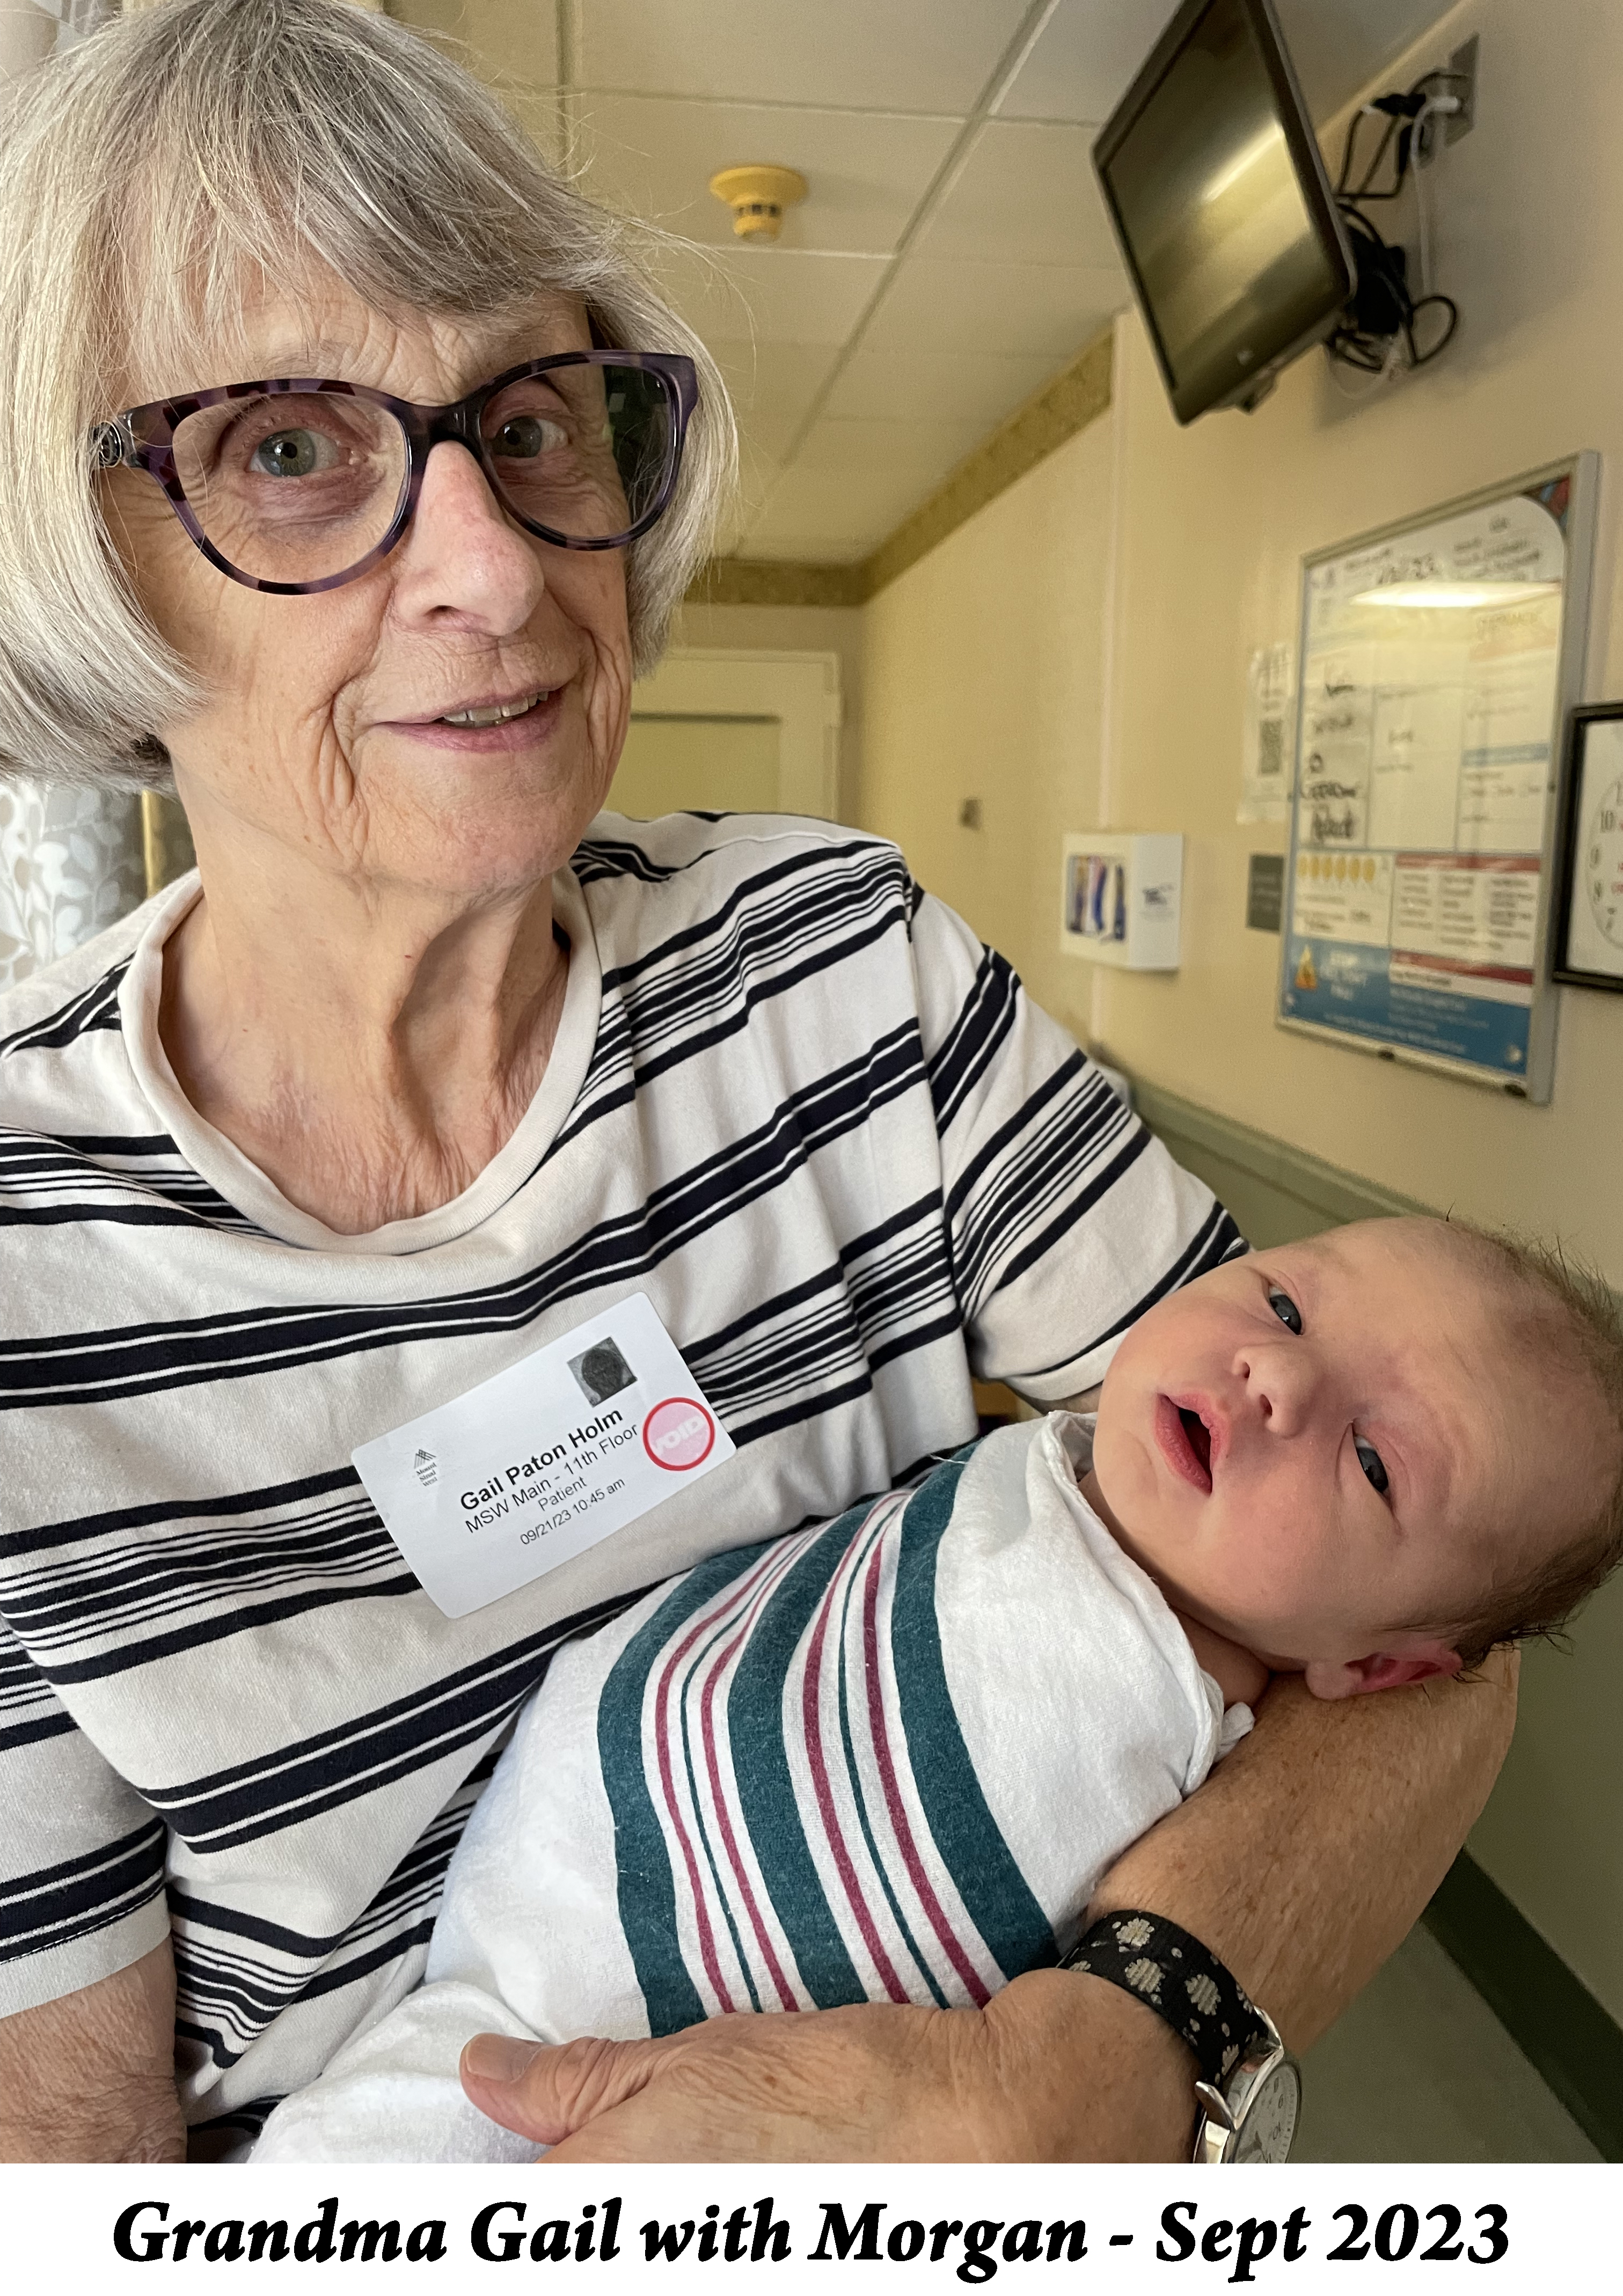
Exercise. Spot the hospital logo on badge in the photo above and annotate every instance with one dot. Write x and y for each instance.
(678, 1434)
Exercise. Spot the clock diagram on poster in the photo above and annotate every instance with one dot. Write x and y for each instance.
(1603, 863)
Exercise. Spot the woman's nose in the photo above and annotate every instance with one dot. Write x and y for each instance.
(462, 562)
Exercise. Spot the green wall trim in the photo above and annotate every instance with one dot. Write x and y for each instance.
(1061, 408)
(776, 582)
(1075, 397)
(1553, 2019)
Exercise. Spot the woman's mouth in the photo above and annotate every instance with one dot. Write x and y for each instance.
(1184, 1441)
(499, 713)
(490, 725)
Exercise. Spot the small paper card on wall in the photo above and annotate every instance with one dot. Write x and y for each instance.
(551, 1455)
(1264, 792)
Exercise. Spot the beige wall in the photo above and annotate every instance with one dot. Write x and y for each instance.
(983, 677)
(1074, 656)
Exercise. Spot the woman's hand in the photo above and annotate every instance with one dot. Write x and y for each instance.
(1056, 2068)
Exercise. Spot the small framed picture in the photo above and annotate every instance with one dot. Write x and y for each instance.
(1588, 939)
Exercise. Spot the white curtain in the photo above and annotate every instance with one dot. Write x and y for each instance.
(70, 859)
(72, 863)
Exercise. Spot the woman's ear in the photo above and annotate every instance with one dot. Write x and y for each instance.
(1386, 1670)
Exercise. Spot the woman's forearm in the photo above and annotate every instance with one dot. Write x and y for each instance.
(91, 2076)
(1309, 1854)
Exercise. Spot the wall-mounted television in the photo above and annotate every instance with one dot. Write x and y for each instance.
(1212, 174)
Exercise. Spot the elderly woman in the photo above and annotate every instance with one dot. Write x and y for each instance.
(350, 469)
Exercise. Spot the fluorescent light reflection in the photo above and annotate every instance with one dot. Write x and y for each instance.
(1265, 146)
(1454, 593)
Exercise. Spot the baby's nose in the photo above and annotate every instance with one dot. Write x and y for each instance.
(1279, 1384)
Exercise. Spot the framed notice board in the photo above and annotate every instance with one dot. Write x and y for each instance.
(1438, 660)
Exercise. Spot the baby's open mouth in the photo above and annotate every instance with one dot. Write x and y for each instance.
(1200, 1441)
(1184, 1441)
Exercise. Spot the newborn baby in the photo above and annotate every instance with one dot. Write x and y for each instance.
(889, 1758)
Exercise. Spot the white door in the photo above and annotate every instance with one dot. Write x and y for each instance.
(719, 731)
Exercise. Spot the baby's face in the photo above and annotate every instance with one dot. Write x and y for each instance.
(1311, 1445)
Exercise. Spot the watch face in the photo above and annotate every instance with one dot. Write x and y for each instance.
(1268, 2123)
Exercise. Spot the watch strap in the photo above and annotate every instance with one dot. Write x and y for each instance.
(1186, 1985)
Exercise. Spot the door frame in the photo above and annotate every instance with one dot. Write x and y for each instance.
(801, 690)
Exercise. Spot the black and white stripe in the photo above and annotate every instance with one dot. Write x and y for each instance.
(792, 1100)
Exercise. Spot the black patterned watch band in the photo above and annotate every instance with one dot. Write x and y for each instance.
(1173, 1974)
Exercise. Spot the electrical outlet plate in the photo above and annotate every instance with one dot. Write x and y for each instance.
(1457, 78)
(1463, 62)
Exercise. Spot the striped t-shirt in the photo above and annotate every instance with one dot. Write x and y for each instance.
(791, 1099)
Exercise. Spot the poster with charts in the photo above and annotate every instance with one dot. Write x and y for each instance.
(1438, 660)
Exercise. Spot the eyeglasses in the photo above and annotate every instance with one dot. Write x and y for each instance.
(299, 485)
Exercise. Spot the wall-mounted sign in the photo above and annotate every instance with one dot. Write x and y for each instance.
(1439, 659)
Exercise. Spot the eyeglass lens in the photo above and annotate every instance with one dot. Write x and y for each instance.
(296, 487)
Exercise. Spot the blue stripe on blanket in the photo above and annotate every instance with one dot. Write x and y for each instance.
(994, 1890)
(766, 1790)
(853, 1769)
(645, 1883)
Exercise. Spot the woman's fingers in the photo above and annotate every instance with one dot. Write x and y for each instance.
(544, 2093)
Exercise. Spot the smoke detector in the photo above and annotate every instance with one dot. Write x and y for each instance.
(758, 196)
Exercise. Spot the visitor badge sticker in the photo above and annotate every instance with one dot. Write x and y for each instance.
(537, 1464)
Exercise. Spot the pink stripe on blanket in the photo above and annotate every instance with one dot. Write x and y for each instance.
(900, 1827)
(786, 1991)
(825, 1798)
(662, 1741)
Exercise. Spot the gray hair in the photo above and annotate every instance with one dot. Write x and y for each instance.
(151, 173)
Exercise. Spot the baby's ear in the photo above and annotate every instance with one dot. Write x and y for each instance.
(1386, 1670)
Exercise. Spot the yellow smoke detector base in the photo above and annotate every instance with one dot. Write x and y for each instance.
(758, 196)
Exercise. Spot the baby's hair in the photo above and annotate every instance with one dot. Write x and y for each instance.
(1572, 1312)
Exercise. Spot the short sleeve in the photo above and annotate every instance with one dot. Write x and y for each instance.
(1067, 1217)
(82, 1857)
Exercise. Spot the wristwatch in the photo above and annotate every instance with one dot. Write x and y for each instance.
(1249, 2091)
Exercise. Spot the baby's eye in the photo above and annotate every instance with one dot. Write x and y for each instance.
(1285, 1307)
(1369, 1459)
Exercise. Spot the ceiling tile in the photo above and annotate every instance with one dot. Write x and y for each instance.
(1014, 309)
(772, 294)
(866, 171)
(1026, 194)
(905, 55)
(757, 477)
(973, 386)
(772, 386)
(834, 514)
(926, 448)
(1084, 59)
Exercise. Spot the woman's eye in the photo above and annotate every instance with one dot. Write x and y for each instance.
(528, 435)
(1369, 1459)
(290, 454)
(1285, 1307)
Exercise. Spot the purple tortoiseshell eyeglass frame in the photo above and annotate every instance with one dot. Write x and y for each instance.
(143, 438)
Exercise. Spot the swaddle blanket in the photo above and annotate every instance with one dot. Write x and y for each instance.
(885, 1758)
